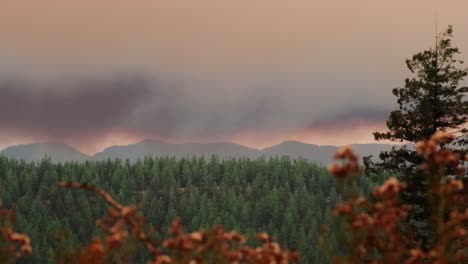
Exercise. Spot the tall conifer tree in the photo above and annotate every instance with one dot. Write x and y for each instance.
(431, 100)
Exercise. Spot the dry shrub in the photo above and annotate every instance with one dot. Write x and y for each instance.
(215, 245)
(374, 227)
(13, 246)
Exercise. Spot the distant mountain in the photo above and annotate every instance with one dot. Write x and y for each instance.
(134, 152)
(320, 154)
(137, 151)
(294, 149)
(35, 152)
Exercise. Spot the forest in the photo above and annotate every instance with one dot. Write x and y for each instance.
(289, 199)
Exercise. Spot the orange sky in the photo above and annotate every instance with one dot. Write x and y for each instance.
(358, 132)
(326, 54)
(208, 34)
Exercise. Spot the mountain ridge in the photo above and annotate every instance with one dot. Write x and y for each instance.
(60, 152)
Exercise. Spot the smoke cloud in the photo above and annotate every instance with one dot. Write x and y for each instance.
(69, 109)
(87, 110)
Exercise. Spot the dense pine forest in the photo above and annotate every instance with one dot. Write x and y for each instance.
(289, 199)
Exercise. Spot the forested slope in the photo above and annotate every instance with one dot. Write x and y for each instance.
(289, 199)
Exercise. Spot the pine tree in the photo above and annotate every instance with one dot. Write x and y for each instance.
(430, 101)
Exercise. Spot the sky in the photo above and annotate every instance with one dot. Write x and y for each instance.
(95, 73)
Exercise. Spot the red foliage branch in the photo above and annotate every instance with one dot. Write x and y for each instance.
(17, 245)
(375, 227)
(215, 244)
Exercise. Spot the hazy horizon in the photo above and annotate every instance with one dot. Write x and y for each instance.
(184, 143)
(93, 74)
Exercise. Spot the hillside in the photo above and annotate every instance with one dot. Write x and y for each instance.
(36, 152)
(134, 152)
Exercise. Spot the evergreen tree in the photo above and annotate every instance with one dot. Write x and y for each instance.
(432, 100)
(249, 196)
